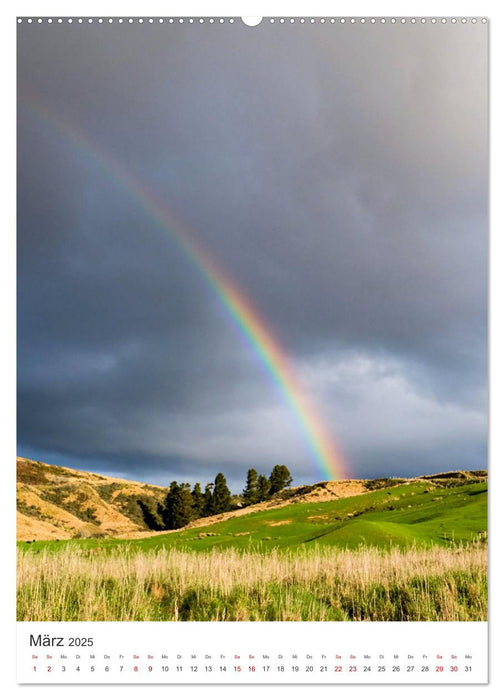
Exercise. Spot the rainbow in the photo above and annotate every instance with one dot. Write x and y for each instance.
(327, 456)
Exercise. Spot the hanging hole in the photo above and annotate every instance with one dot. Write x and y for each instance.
(251, 21)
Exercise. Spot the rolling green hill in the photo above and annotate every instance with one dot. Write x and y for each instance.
(433, 510)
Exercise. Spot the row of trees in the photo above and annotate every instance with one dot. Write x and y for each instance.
(182, 505)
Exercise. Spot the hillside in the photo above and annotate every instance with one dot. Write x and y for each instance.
(420, 512)
(59, 503)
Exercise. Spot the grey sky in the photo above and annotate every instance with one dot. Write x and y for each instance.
(337, 173)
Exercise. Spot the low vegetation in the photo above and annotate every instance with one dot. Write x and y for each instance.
(321, 583)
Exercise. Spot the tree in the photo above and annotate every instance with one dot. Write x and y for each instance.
(178, 506)
(263, 488)
(151, 515)
(208, 500)
(198, 501)
(250, 492)
(221, 499)
(280, 478)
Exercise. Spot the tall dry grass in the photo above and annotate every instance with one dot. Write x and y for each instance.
(320, 584)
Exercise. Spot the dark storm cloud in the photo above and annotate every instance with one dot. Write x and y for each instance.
(338, 174)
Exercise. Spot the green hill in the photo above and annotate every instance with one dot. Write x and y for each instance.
(433, 510)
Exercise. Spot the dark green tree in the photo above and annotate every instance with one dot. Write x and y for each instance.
(198, 501)
(249, 496)
(263, 488)
(178, 506)
(221, 498)
(150, 515)
(280, 478)
(208, 500)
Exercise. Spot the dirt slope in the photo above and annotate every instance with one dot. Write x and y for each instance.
(60, 503)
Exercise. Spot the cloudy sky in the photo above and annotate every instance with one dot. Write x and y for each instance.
(336, 174)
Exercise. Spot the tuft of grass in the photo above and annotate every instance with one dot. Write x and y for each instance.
(318, 583)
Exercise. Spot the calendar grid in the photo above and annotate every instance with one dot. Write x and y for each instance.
(322, 653)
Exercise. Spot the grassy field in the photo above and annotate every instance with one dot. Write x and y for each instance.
(407, 552)
(322, 583)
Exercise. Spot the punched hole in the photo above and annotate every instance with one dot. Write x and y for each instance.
(251, 21)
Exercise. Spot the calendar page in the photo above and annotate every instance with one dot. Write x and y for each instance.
(252, 349)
